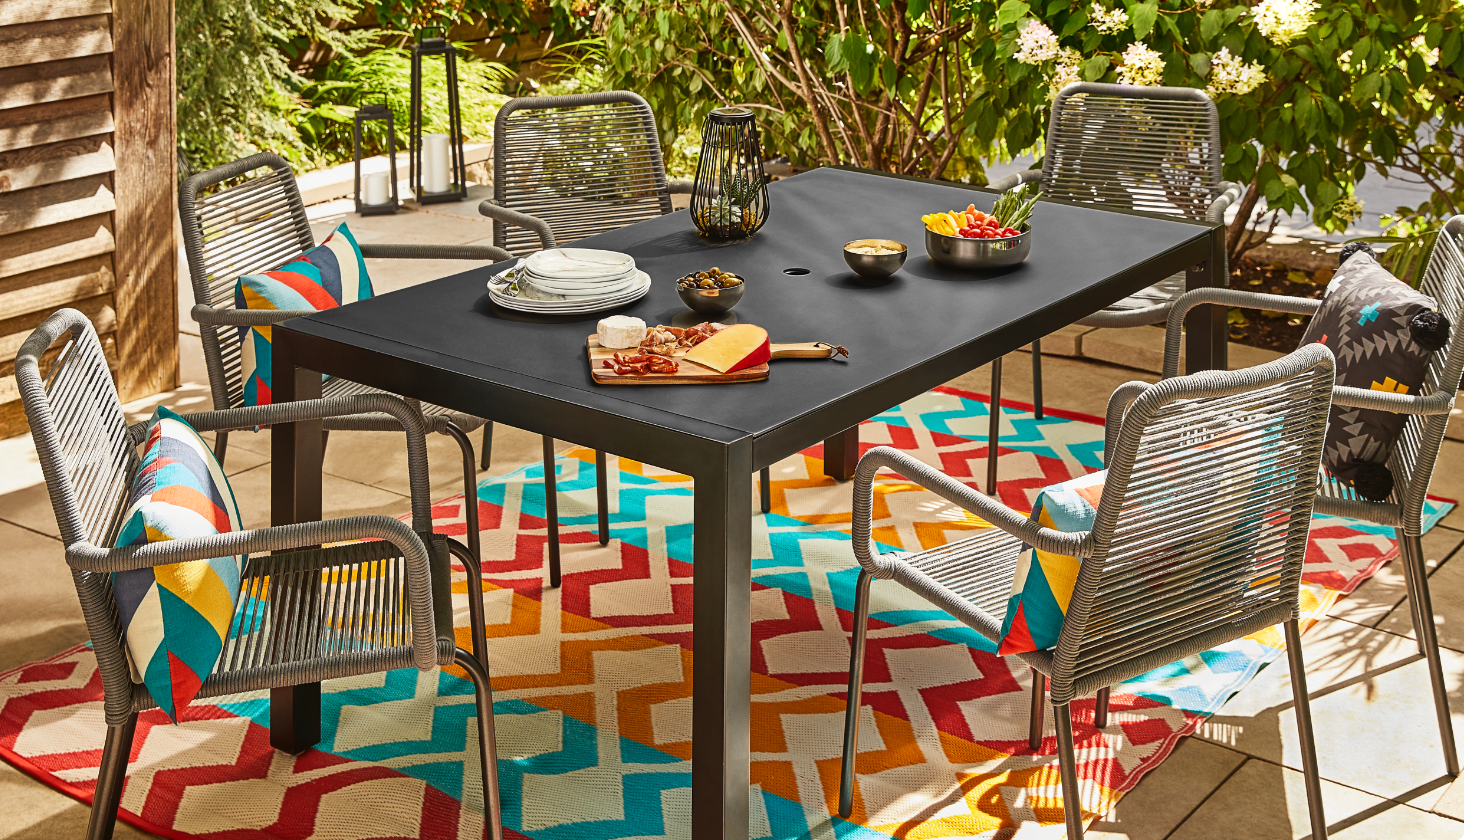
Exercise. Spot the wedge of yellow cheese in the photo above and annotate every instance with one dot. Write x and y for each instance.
(735, 348)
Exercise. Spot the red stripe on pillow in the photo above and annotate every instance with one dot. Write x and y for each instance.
(305, 287)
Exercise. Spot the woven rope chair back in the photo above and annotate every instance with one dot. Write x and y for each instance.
(1133, 148)
(89, 462)
(585, 164)
(234, 225)
(1418, 445)
(1201, 530)
(80, 432)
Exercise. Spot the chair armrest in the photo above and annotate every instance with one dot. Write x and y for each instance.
(91, 558)
(1229, 193)
(410, 419)
(1173, 329)
(1123, 396)
(680, 186)
(482, 253)
(1017, 524)
(499, 213)
(1440, 402)
(1016, 179)
(244, 317)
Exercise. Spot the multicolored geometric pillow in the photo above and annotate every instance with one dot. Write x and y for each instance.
(331, 274)
(1044, 582)
(1384, 334)
(177, 616)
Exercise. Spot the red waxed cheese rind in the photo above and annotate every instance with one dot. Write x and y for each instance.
(734, 348)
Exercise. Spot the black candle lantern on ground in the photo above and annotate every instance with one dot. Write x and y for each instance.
(729, 199)
(378, 195)
(438, 171)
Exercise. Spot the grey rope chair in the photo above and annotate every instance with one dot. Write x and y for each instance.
(259, 224)
(329, 613)
(1127, 147)
(1198, 539)
(1415, 454)
(568, 167)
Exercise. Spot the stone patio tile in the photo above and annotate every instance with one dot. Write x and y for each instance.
(1067, 341)
(341, 498)
(42, 615)
(1371, 711)
(36, 812)
(1381, 593)
(1165, 797)
(1446, 588)
(1262, 801)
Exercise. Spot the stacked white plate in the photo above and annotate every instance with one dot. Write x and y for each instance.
(569, 281)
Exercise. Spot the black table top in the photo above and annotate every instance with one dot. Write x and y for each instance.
(922, 327)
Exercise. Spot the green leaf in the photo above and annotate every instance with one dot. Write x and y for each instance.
(834, 54)
(1077, 20)
(1211, 23)
(1094, 68)
(916, 8)
(1449, 48)
(1142, 16)
(1344, 28)
(1010, 12)
(1200, 63)
(1367, 87)
(1328, 192)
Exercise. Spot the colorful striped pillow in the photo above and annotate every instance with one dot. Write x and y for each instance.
(329, 275)
(177, 616)
(1044, 582)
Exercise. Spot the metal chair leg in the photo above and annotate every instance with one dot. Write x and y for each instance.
(1411, 553)
(1037, 378)
(551, 510)
(993, 432)
(487, 740)
(602, 495)
(1034, 718)
(1410, 582)
(470, 487)
(221, 446)
(487, 445)
(1067, 762)
(110, 778)
(1100, 709)
(852, 699)
(477, 625)
(765, 489)
(1304, 729)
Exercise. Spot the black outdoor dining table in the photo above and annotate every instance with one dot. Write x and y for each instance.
(444, 342)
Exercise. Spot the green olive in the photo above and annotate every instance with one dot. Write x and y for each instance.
(733, 281)
(707, 284)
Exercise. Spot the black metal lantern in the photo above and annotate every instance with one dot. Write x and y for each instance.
(385, 201)
(438, 171)
(729, 199)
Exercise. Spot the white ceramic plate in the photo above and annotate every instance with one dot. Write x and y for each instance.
(578, 263)
(570, 306)
(579, 288)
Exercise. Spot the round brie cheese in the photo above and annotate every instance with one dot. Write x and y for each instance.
(621, 332)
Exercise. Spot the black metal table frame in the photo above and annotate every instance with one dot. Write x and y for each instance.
(720, 460)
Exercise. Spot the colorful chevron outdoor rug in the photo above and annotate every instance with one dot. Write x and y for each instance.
(592, 680)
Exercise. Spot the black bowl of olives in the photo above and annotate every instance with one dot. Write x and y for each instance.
(710, 292)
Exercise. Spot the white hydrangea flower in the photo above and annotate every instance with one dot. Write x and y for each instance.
(1036, 44)
(1430, 56)
(1345, 61)
(1068, 70)
(1347, 210)
(1231, 74)
(1108, 21)
(1141, 66)
(1283, 21)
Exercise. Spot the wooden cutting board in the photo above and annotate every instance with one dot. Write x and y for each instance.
(691, 373)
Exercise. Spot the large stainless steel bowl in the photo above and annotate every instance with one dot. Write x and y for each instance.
(712, 301)
(977, 254)
(876, 266)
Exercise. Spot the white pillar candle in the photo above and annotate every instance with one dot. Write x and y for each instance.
(378, 189)
(435, 163)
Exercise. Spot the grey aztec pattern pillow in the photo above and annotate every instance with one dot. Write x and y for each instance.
(1383, 333)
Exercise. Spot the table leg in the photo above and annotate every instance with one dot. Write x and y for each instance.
(1207, 335)
(295, 496)
(722, 641)
(841, 454)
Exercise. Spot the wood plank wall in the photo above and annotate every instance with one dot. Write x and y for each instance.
(87, 156)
